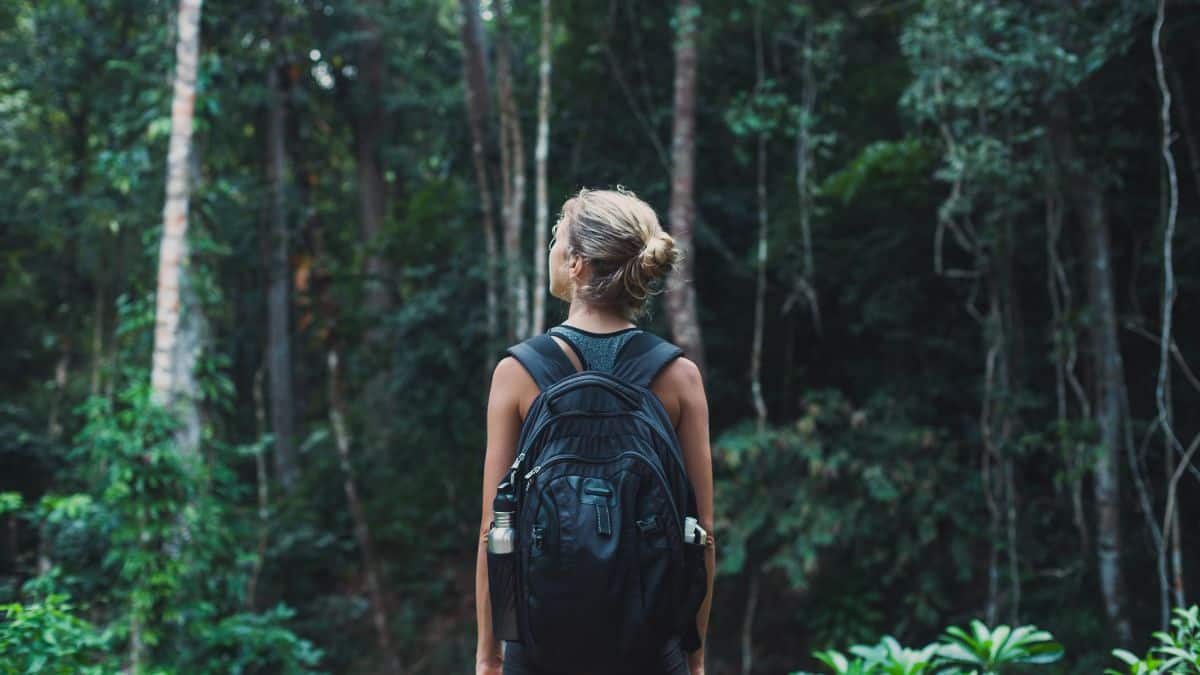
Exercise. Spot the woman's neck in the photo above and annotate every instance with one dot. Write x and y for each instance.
(589, 318)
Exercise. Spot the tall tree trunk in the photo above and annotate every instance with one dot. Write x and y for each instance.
(512, 158)
(177, 321)
(760, 290)
(263, 491)
(478, 111)
(1108, 380)
(98, 312)
(542, 222)
(369, 137)
(681, 291)
(804, 165)
(1065, 352)
(279, 348)
(54, 427)
(747, 632)
(362, 533)
(1162, 391)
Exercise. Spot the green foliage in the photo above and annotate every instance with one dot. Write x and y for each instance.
(861, 502)
(1177, 651)
(47, 636)
(882, 160)
(982, 651)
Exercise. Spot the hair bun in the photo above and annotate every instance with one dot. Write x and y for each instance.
(659, 255)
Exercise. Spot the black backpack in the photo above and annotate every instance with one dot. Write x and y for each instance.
(603, 575)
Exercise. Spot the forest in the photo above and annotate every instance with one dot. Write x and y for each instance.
(259, 260)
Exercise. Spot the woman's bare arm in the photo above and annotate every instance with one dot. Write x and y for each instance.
(683, 380)
(509, 382)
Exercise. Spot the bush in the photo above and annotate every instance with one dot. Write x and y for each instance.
(1177, 652)
(981, 651)
(46, 637)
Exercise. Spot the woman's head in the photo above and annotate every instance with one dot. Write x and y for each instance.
(609, 251)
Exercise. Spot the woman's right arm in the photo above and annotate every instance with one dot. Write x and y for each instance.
(503, 429)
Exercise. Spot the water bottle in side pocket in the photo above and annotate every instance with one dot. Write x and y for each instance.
(502, 567)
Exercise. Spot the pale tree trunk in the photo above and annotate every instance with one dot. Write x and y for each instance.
(279, 350)
(512, 158)
(263, 490)
(1107, 372)
(747, 632)
(1065, 351)
(1162, 392)
(62, 366)
(177, 323)
(681, 291)
(98, 312)
(760, 290)
(362, 533)
(804, 165)
(478, 111)
(542, 220)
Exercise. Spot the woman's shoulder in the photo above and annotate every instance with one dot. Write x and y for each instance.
(681, 371)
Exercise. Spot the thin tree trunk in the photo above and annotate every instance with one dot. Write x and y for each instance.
(98, 312)
(54, 427)
(176, 317)
(478, 110)
(747, 632)
(370, 135)
(362, 533)
(681, 291)
(263, 490)
(1108, 373)
(804, 163)
(1064, 351)
(760, 291)
(279, 348)
(1162, 390)
(512, 154)
(1014, 555)
(542, 222)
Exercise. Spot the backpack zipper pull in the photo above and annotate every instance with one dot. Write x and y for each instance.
(533, 472)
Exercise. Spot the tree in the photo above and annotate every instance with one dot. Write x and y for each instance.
(478, 102)
(177, 320)
(279, 352)
(681, 291)
(512, 178)
(541, 222)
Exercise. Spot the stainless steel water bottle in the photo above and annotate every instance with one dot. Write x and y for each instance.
(502, 566)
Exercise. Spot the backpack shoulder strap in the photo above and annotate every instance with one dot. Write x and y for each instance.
(541, 356)
(643, 357)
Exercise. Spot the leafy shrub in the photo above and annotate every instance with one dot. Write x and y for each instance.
(980, 651)
(1177, 652)
(46, 637)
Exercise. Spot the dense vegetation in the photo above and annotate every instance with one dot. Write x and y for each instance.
(968, 393)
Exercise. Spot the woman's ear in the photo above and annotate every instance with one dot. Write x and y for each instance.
(578, 267)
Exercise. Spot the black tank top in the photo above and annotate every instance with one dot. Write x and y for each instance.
(596, 351)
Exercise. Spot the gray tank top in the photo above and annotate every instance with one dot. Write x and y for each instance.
(596, 351)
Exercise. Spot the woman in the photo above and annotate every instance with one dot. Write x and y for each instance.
(607, 254)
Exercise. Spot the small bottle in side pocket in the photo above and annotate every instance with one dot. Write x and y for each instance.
(502, 567)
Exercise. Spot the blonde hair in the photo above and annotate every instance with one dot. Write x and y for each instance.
(625, 246)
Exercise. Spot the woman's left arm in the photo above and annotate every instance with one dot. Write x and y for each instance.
(697, 457)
